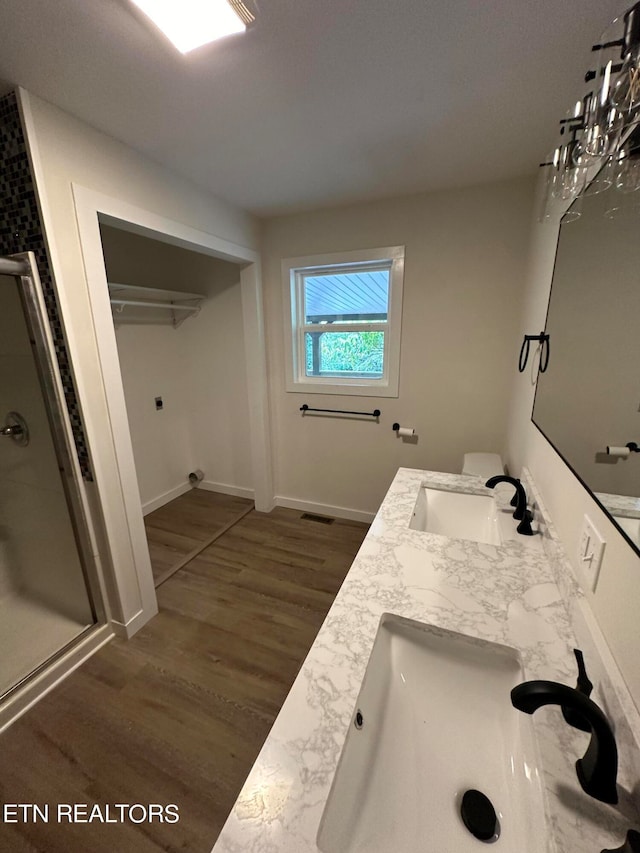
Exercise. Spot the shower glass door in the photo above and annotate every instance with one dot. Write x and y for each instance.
(45, 602)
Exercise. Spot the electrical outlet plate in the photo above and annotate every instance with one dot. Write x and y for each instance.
(590, 551)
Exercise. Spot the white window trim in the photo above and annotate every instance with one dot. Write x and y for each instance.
(294, 327)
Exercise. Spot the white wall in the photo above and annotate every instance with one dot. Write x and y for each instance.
(66, 151)
(615, 601)
(464, 270)
(199, 369)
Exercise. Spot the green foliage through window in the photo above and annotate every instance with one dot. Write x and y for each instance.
(345, 353)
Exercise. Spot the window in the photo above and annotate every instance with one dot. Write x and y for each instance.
(343, 322)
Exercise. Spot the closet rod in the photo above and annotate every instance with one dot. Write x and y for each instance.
(142, 304)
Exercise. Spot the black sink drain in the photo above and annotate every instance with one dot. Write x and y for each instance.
(479, 815)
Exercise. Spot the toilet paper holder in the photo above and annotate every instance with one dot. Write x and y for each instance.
(404, 432)
(629, 447)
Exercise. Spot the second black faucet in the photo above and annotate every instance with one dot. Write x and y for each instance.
(521, 513)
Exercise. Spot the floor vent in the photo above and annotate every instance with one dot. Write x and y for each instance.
(320, 519)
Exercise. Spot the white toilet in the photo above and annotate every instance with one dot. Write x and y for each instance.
(483, 465)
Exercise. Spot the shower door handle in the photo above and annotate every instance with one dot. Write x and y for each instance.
(16, 428)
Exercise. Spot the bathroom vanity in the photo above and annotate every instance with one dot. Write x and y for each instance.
(519, 593)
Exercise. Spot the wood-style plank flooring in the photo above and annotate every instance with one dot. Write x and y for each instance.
(180, 527)
(178, 714)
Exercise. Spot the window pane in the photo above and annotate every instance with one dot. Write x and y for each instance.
(344, 354)
(347, 297)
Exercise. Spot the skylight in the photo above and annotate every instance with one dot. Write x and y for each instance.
(191, 23)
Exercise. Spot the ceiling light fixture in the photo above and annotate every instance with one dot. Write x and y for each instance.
(604, 129)
(191, 23)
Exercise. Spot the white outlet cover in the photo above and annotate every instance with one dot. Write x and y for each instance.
(590, 551)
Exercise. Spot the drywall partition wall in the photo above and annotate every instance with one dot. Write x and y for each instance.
(617, 596)
(219, 389)
(464, 265)
(65, 153)
(154, 364)
(199, 370)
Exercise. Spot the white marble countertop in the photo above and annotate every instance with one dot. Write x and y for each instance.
(505, 594)
(623, 505)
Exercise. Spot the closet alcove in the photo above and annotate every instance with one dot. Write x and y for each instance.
(179, 332)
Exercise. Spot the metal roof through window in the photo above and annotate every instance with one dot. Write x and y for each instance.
(362, 294)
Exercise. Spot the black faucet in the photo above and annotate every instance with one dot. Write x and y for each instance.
(520, 495)
(583, 685)
(598, 769)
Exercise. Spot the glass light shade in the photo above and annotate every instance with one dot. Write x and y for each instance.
(573, 182)
(560, 161)
(624, 209)
(548, 193)
(602, 121)
(192, 23)
(572, 173)
(625, 91)
(621, 89)
(628, 174)
(574, 212)
(605, 178)
(600, 132)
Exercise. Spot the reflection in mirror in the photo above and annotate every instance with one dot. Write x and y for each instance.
(589, 398)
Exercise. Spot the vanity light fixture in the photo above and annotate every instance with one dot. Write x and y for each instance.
(604, 128)
(191, 23)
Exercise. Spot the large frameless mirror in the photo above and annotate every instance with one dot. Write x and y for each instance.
(587, 403)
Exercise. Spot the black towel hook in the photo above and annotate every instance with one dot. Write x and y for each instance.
(543, 339)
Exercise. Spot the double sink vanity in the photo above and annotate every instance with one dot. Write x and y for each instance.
(399, 734)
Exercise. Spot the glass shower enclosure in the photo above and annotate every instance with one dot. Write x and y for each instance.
(48, 593)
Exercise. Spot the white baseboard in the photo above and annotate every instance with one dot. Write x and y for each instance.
(225, 489)
(163, 499)
(279, 500)
(325, 509)
(126, 630)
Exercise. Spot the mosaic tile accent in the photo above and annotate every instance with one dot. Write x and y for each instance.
(21, 231)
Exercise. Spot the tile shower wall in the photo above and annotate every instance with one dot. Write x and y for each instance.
(21, 231)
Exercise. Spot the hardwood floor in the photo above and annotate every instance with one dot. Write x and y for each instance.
(179, 529)
(178, 714)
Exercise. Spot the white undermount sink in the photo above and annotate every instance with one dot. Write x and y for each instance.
(461, 515)
(436, 720)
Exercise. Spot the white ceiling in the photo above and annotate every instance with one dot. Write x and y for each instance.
(324, 101)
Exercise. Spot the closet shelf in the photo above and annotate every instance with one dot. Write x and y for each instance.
(180, 305)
